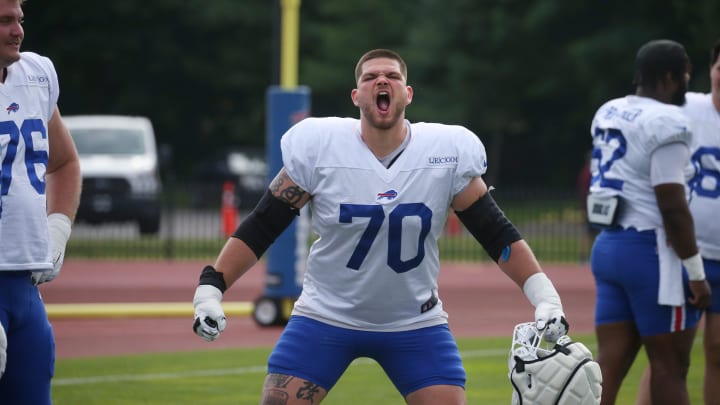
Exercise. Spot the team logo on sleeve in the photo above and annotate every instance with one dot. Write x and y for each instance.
(13, 107)
(386, 197)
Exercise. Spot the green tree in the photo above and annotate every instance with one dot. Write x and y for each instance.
(526, 76)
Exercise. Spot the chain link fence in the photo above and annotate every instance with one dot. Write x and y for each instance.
(194, 226)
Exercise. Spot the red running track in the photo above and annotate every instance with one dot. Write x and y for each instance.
(479, 298)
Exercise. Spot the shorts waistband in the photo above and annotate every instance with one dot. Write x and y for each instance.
(15, 273)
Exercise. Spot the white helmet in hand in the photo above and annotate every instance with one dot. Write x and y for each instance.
(562, 373)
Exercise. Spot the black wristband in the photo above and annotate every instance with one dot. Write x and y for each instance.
(212, 277)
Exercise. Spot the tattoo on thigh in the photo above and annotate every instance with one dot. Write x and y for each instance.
(278, 380)
(275, 397)
(308, 391)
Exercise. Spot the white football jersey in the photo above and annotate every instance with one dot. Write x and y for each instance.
(28, 99)
(375, 263)
(705, 184)
(625, 133)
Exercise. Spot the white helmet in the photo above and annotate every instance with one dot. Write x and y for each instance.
(563, 373)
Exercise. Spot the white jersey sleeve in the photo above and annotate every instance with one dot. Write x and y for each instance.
(375, 263)
(668, 162)
(626, 131)
(29, 98)
(705, 182)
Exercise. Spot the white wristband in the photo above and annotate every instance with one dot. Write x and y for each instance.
(538, 288)
(694, 267)
(60, 227)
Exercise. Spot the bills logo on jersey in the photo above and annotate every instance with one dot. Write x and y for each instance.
(386, 197)
(13, 107)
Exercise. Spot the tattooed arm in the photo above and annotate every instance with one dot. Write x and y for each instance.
(286, 190)
(236, 256)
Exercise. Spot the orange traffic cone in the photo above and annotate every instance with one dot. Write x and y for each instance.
(229, 211)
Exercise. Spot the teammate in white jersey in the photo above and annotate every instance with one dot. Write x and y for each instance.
(640, 147)
(704, 113)
(39, 194)
(379, 189)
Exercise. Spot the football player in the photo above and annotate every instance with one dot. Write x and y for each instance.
(704, 113)
(380, 188)
(39, 195)
(641, 146)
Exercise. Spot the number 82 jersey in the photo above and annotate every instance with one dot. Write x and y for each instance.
(626, 131)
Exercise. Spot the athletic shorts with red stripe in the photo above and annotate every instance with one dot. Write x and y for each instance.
(626, 270)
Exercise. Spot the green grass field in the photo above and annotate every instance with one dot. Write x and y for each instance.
(236, 377)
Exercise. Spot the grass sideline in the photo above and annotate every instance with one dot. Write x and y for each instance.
(235, 376)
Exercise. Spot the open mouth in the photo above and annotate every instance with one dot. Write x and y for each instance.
(383, 101)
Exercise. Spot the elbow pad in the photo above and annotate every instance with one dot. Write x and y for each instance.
(489, 225)
(265, 223)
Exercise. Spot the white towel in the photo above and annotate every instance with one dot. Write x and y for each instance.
(670, 291)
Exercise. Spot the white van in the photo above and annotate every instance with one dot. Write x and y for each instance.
(119, 166)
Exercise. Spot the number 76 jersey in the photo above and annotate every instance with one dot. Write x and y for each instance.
(28, 99)
(375, 263)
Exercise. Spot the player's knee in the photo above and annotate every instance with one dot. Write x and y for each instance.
(668, 371)
(437, 394)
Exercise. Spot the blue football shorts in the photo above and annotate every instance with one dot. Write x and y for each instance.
(626, 270)
(318, 352)
(712, 273)
(31, 344)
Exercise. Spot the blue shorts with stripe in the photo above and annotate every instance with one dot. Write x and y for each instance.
(626, 270)
(318, 352)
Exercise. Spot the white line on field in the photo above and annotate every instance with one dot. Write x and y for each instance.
(223, 371)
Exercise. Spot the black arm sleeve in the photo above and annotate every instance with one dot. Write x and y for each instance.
(265, 223)
(489, 225)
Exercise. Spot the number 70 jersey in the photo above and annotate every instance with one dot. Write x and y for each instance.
(375, 263)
